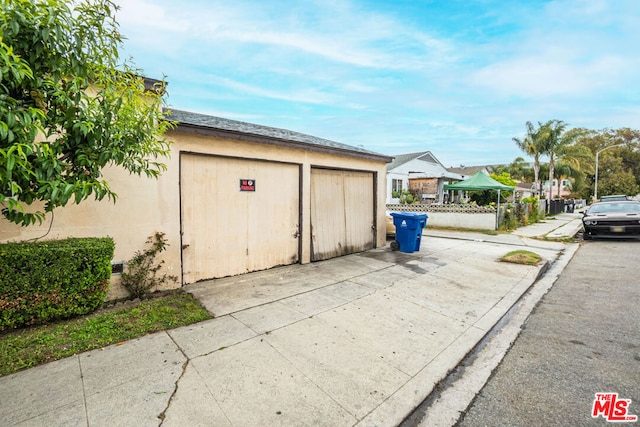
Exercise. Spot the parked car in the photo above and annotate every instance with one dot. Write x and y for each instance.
(391, 229)
(614, 198)
(612, 219)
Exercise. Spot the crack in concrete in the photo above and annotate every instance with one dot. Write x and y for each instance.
(162, 415)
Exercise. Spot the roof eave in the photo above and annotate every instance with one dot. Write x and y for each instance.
(262, 139)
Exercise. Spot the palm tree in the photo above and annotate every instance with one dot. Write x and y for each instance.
(517, 168)
(574, 160)
(554, 141)
(531, 144)
(544, 172)
(563, 170)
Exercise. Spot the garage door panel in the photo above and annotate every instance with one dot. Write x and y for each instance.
(272, 224)
(327, 214)
(359, 204)
(227, 231)
(341, 213)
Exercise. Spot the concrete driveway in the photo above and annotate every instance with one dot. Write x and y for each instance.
(357, 340)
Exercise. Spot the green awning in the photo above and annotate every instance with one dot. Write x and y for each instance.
(479, 181)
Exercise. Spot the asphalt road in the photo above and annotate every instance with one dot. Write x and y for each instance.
(583, 338)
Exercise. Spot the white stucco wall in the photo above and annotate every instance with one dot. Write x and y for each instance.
(454, 216)
(476, 221)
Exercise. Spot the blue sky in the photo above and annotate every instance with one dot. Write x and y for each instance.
(458, 78)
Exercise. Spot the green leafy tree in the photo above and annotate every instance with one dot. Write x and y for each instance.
(485, 197)
(504, 178)
(581, 188)
(69, 107)
(517, 169)
(629, 153)
(614, 179)
(624, 144)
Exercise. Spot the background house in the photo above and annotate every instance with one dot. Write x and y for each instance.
(565, 188)
(421, 173)
(236, 197)
(525, 189)
(468, 171)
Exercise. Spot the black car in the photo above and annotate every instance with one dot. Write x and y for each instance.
(612, 219)
(614, 198)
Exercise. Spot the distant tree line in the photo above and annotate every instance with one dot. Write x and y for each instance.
(561, 153)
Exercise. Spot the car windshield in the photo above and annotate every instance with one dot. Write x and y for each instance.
(615, 207)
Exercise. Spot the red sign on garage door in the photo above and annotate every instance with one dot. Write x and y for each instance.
(247, 185)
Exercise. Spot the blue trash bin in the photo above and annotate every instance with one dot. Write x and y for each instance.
(409, 227)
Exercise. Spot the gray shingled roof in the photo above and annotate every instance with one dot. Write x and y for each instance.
(265, 134)
(401, 159)
(468, 170)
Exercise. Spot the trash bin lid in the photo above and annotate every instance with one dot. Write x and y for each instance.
(410, 215)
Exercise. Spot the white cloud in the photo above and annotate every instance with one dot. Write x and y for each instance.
(149, 15)
(308, 95)
(347, 35)
(462, 81)
(570, 49)
(543, 77)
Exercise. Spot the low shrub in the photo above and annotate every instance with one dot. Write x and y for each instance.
(50, 280)
(142, 270)
(408, 197)
(510, 221)
(533, 214)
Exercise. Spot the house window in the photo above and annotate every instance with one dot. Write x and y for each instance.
(396, 185)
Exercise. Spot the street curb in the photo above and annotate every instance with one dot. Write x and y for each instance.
(445, 407)
(570, 229)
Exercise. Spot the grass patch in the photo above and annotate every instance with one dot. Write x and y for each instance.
(28, 347)
(522, 257)
(565, 239)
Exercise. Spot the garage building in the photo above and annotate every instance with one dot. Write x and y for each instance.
(236, 197)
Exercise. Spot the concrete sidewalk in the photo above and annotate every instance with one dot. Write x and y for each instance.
(562, 226)
(357, 340)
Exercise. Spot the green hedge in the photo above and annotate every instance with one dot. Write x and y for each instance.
(50, 280)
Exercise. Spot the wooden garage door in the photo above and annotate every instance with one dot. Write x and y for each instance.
(342, 213)
(226, 231)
